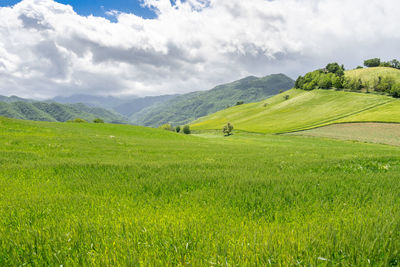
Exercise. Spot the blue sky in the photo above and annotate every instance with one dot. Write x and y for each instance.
(99, 7)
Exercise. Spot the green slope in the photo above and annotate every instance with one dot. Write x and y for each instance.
(186, 108)
(370, 75)
(389, 112)
(46, 111)
(304, 109)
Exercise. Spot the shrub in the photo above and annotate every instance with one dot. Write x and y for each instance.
(395, 91)
(239, 103)
(98, 120)
(286, 97)
(77, 120)
(167, 127)
(178, 129)
(385, 84)
(227, 130)
(186, 129)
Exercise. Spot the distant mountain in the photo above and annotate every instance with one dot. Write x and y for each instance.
(125, 106)
(189, 107)
(10, 99)
(91, 100)
(47, 111)
(135, 105)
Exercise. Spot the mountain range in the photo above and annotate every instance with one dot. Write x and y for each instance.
(147, 111)
(27, 109)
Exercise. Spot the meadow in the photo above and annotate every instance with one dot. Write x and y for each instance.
(100, 194)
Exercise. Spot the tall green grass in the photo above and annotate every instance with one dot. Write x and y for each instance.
(91, 194)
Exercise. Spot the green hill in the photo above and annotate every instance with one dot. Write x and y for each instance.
(47, 111)
(307, 109)
(303, 110)
(186, 108)
(370, 75)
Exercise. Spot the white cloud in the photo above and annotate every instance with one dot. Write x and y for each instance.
(46, 49)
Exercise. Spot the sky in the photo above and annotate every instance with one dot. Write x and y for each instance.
(153, 47)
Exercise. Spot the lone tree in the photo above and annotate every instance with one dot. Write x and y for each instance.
(186, 129)
(227, 130)
(178, 129)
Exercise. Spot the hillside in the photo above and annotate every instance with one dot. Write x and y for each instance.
(46, 111)
(304, 109)
(371, 75)
(129, 108)
(186, 108)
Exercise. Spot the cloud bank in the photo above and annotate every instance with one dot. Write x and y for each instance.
(47, 49)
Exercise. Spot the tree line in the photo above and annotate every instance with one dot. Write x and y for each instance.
(376, 62)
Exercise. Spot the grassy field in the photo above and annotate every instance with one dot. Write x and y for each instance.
(303, 110)
(381, 133)
(87, 194)
(371, 75)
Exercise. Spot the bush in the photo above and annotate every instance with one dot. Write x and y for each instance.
(385, 84)
(167, 127)
(286, 97)
(178, 129)
(186, 129)
(395, 91)
(78, 120)
(227, 130)
(239, 103)
(98, 120)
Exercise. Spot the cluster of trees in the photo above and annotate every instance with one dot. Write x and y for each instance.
(178, 129)
(376, 62)
(382, 84)
(332, 76)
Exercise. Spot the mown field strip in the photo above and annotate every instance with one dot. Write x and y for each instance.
(381, 133)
